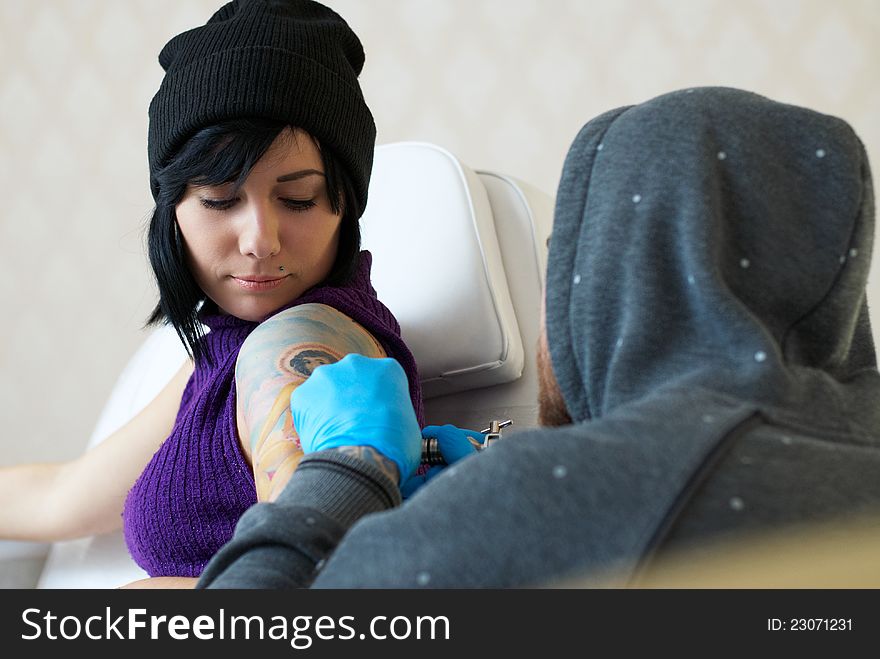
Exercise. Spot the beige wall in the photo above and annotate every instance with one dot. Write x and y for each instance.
(505, 84)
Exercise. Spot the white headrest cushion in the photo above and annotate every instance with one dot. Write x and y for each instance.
(437, 266)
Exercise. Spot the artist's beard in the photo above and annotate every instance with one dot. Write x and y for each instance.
(551, 406)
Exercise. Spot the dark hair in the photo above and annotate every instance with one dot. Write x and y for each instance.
(219, 154)
(298, 361)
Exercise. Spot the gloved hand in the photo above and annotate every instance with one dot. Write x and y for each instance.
(359, 401)
(454, 444)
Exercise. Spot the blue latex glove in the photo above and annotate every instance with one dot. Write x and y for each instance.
(359, 401)
(454, 444)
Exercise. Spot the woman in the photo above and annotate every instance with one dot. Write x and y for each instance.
(260, 151)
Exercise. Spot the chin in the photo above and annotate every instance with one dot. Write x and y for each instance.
(254, 311)
(257, 307)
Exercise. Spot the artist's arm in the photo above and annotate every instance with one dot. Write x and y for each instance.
(275, 359)
(361, 437)
(283, 544)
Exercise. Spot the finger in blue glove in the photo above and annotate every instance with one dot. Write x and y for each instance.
(454, 443)
(417, 480)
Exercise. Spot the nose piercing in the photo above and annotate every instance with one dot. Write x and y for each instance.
(281, 268)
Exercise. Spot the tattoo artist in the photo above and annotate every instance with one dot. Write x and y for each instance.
(713, 375)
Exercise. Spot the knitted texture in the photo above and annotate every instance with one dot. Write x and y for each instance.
(293, 60)
(186, 503)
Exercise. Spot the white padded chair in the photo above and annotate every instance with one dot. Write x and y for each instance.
(459, 258)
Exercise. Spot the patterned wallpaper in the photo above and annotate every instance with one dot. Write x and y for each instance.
(505, 84)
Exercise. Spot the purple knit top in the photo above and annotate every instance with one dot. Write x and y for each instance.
(186, 503)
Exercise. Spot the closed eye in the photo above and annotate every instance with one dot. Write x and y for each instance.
(296, 205)
(218, 204)
(299, 204)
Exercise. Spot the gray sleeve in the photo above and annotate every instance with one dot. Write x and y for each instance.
(279, 544)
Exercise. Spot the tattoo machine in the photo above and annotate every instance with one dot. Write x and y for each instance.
(431, 449)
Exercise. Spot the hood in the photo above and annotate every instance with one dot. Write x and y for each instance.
(714, 238)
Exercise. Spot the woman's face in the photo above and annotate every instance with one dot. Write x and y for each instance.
(237, 243)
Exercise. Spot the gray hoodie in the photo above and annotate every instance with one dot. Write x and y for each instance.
(707, 324)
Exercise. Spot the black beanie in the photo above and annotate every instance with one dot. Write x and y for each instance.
(294, 60)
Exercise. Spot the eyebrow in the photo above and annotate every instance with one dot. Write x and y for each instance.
(295, 176)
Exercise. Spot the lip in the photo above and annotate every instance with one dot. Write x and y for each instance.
(258, 283)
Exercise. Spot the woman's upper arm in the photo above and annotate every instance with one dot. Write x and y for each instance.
(91, 489)
(277, 357)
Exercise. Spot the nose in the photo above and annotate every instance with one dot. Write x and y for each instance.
(259, 236)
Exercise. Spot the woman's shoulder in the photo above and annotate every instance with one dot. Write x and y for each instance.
(311, 330)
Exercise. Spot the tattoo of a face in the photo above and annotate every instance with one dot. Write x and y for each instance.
(302, 360)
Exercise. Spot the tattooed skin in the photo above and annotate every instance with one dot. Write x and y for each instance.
(371, 455)
(276, 358)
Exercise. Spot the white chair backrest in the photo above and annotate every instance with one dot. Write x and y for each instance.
(523, 218)
(458, 256)
(437, 266)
